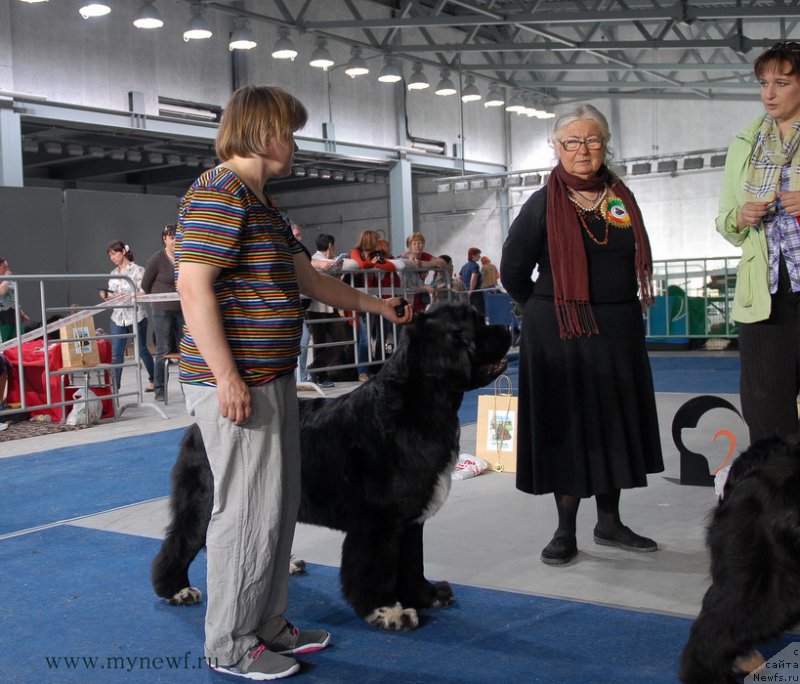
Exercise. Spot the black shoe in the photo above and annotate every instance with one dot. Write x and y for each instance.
(624, 538)
(159, 396)
(560, 551)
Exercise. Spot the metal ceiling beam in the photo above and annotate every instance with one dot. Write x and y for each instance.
(577, 17)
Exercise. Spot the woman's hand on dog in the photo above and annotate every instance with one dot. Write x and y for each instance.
(391, 307)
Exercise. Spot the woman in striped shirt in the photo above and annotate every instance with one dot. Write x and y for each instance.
(240, 275)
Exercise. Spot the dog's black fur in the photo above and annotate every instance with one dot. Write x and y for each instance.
(376, 464)
(754, 540)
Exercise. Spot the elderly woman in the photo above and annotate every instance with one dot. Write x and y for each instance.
(588, 424)
(758, 210)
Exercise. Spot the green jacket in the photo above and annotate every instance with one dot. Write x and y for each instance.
(752, 301)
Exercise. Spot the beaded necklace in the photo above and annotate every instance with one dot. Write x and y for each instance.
(594, 202)
(603, 213)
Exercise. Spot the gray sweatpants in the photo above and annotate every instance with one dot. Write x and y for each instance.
(256, 470)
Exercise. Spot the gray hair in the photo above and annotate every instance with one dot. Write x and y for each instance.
(578, 113)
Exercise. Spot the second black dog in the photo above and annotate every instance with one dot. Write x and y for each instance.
(754, 540)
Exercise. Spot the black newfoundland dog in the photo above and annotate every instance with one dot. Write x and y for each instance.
(754, 540)
(376, 464)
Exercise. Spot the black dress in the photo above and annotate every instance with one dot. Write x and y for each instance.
(587, 413)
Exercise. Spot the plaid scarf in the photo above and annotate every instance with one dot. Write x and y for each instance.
(568, 256)
(770, 155)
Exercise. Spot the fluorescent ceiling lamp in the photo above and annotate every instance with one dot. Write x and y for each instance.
(31, 2)
(417, 80)
(148, 16)
(470, 92)
(445, 86)
(94, 9)
(284, 47)
(495, 97)
(242, 38)
(390, 73)
(321, 58)
(357, 66)
(197, 28)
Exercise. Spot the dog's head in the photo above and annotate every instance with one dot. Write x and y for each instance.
(451, 344)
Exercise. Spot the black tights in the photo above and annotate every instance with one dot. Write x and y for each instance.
(607, 512)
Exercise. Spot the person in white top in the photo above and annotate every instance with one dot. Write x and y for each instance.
(122, 318)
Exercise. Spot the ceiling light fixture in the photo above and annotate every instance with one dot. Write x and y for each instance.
(31, 2)
(242, 37)
(357, 66)
(470, 92)
(197, 28)
(321, 58)
(148, 16)
(94, 9)
(495, 97)
(445, 86)
(390, 73)
(515, 103)
(284, 47)
(417, 80)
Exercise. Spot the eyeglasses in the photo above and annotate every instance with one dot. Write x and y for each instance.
(791, 45)
(572, 144)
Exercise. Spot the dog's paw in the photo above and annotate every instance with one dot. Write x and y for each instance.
(395, 618)
(187, 596)
(442, 594)
(745, 664)
(296, 566)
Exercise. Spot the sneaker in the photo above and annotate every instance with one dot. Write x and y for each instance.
(150, 388)
(363, 377)
(159, 395)
(260, 664)
(624, 538)
(326, 384)
(293, 640)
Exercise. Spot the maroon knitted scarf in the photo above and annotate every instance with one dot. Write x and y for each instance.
(568, 256)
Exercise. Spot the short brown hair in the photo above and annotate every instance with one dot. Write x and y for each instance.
(415, 237)
(783, 52)
(472, 252)
(253, 117)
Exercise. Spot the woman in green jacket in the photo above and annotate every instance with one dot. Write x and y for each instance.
(758, 211)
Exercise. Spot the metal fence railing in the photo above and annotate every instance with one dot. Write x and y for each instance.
(42, 381)
(693, 299)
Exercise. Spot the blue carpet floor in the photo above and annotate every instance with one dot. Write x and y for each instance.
(62, 484)
(77, 606)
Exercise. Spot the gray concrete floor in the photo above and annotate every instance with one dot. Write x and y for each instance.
(488, 534)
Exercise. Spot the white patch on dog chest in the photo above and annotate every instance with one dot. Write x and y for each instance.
(440, 494)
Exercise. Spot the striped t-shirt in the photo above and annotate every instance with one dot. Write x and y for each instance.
(222, 223)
